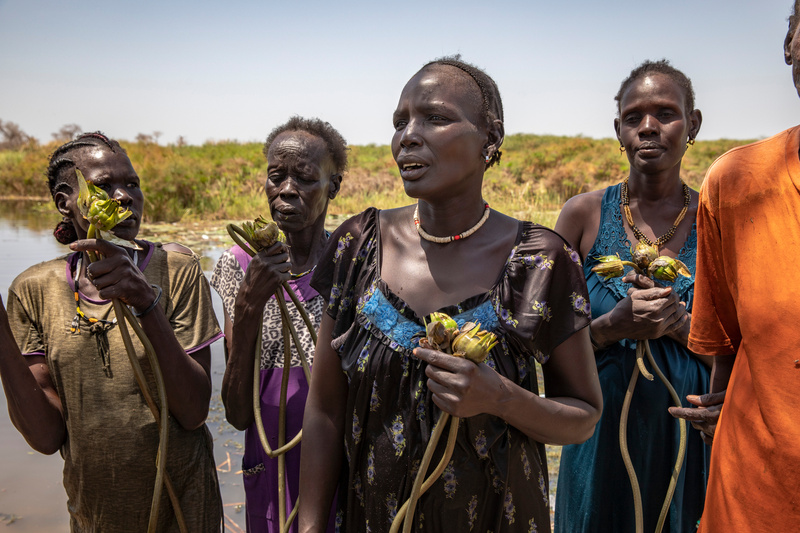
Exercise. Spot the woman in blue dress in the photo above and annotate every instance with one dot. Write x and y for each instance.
(657, 122)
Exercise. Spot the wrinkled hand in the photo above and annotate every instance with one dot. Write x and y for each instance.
(267, 270)
(705, 416)
(459, 386)
(115, 275)
(650, 311)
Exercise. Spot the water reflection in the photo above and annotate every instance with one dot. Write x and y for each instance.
(31, 493)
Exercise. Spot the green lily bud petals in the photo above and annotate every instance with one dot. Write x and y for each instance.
(668, 269)
(610, 266)
(445, 319)
(473, 343)
(94, 204)
(440, 331)
(643, 254)
(263, 233)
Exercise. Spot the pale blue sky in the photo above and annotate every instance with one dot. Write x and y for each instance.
(235, 69)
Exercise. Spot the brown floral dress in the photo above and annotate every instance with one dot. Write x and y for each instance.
(497, 477)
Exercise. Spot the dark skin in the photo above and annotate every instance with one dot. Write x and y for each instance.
(34, 406)
(440, 143)
(653, 126)
(301, 180)
(708, 407)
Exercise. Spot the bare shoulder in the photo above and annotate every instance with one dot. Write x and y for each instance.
(177, 247)
(396, 214)
(583, 205)
(579, 219)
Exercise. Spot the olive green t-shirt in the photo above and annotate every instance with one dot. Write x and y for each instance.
(112, 438)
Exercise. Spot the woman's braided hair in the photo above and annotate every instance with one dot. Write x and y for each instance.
(492, 104)
(59, 174)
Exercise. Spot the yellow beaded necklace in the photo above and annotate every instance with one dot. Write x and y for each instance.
(687, 198)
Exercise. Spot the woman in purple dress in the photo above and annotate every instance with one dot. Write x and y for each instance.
(306, 159)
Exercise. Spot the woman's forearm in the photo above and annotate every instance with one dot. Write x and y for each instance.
(33, 404)
(559, 420)
(604, 332)
(574, 400)
(322, 454)
(187, 378)
(237, 384)
(320, 464)
(721, 372)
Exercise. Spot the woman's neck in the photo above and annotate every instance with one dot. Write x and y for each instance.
(306, 246)
(654, 188)
(450, 217)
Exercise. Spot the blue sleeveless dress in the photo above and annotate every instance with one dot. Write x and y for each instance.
(594, 492)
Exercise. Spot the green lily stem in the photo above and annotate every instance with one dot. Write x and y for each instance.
(623, 446)
(404, 517)
(289, 334)
(681, 447)
(161, 416)
(287, 362)
(642, 348)
(640, 360)
(240, 237)
(635, 267)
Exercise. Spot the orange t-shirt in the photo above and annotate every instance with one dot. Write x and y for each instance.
(747, 302)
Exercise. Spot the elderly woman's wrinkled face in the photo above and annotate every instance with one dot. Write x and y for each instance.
(114, 173)
(653, 123)
(439, 134)
(301, 179)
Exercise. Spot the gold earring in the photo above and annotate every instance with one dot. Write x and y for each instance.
(690, 142)
(621, 149)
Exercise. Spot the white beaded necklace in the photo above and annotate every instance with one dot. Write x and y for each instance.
(444, 240)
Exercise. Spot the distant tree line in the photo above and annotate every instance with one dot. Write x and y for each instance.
(13, 138)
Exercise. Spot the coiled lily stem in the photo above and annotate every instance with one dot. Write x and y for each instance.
(405, 515)
(643, 348)
(681, 448)
(161, 415)
(289, 332)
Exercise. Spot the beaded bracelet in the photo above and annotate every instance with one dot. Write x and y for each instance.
(152, 305)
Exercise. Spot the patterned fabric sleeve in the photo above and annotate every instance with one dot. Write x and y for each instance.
(189, 309)
(337, 272)
(542, 299)
(226, 280)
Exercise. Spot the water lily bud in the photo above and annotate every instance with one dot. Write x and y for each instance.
(643, 254)
(105, 214)
(610, 266)
(667, 269)
(445, 319)
(440, 331)
(263, 233)
(473, 343)
(94, 204)
(437, 336)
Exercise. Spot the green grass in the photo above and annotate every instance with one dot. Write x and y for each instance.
(225, 180)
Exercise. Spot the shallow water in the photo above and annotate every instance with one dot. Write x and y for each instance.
(32, 498)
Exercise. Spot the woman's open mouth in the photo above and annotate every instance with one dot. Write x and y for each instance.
(412, 170)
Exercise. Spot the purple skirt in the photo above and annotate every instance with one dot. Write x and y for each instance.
(261, 472)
